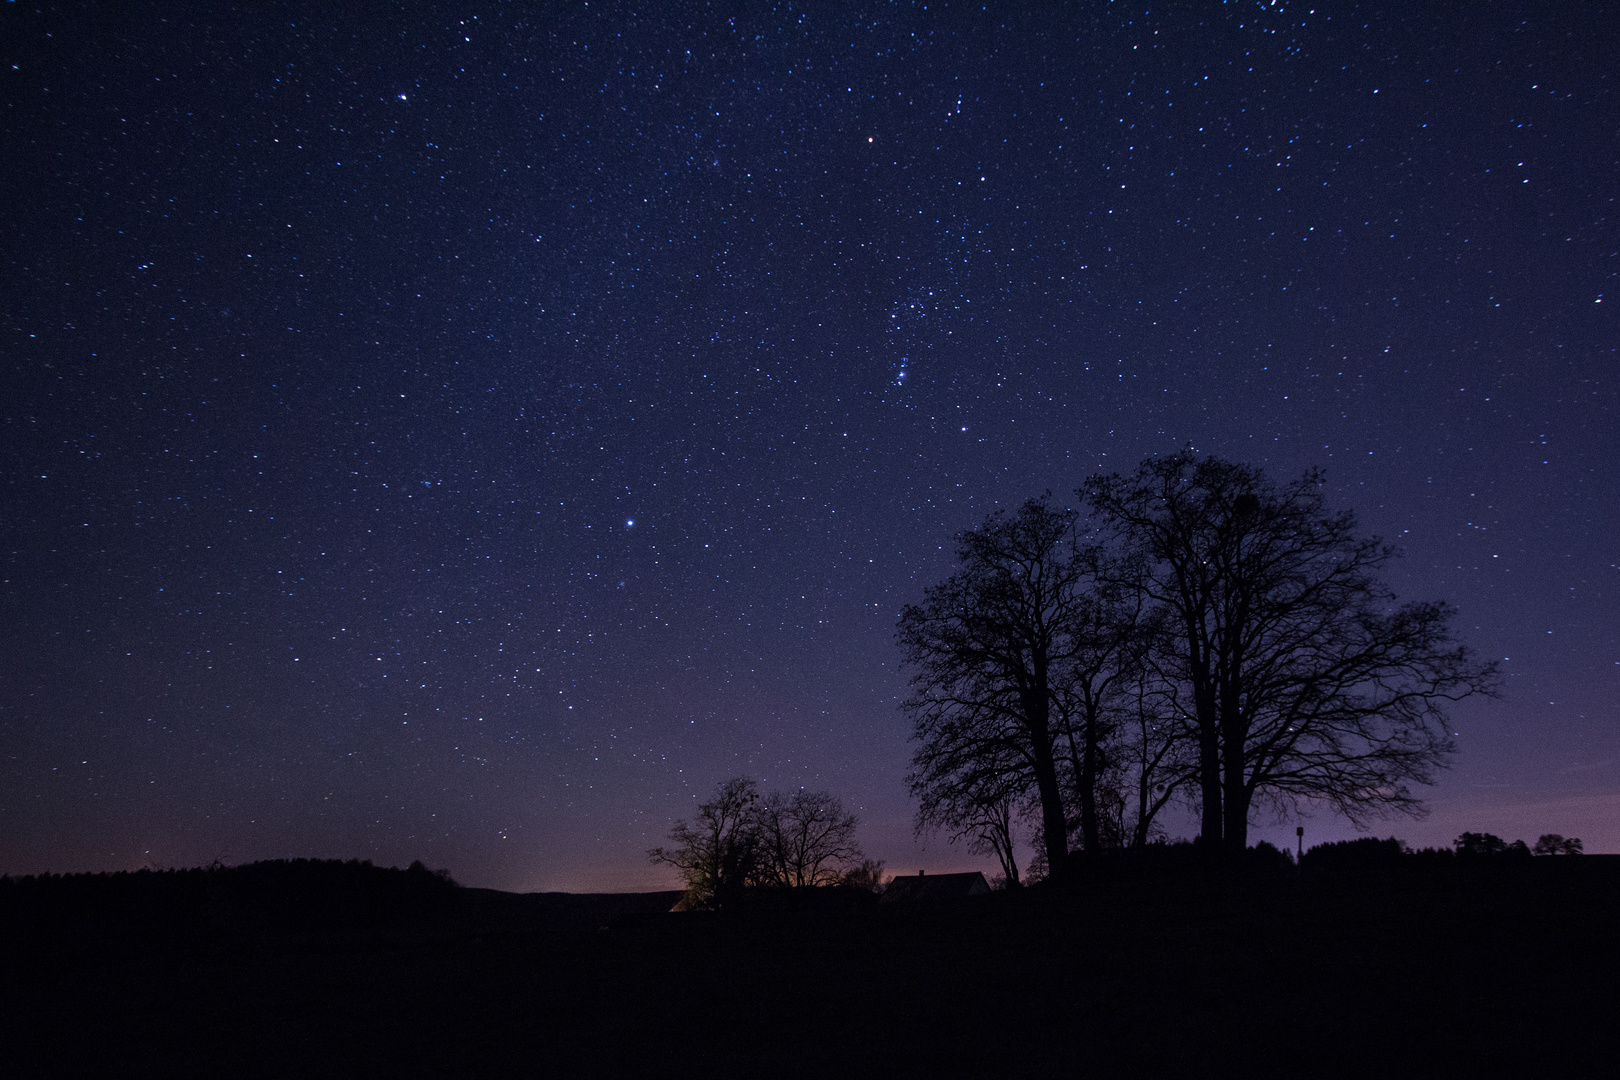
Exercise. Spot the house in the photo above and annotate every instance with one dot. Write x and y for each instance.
(935, 889)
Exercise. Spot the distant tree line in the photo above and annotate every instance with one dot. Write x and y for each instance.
(1470, 846)
(1200, 635)
(783, 840)
(298, 895)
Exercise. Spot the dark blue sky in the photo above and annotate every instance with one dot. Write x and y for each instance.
(473, 435)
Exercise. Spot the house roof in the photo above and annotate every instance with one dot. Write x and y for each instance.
(935, 888)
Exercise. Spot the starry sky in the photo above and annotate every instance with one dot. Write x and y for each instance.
(471, 433)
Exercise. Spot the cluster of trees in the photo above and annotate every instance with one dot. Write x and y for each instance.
(742, 841)
(1474, 844)
(1202, 635)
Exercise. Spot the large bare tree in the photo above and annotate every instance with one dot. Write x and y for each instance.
(989, 647)
(1299, 676)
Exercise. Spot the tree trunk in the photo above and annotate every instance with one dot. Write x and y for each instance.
(1209, 767)
(1235, 792)
(1090, 834)
(1209, 735)
(1144, 798)
(1008, 859)
(1236, 796)
(1054, 829)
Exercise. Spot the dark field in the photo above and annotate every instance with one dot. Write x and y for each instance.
(341, 969)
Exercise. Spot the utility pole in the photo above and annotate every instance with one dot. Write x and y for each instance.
(1299, 831)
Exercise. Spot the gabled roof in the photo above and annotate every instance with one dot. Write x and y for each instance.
(934, 888)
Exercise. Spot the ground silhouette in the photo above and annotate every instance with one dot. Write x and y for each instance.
(1135, 968)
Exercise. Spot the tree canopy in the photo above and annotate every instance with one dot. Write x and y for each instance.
(1286, 655)
(990, 646)
(741, 841)
(718, 855)
(1212, 636)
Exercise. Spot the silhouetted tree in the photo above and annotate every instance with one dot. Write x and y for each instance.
(1037, 650)
(1301, 681)
(1127, 708)
(868, 876)
(806, 838)
(1474, 843)
(989, 830)
(981, 816)
(719, 855)
(1106, 644)
(989, 647)
(1553, 844)
(1479, 845)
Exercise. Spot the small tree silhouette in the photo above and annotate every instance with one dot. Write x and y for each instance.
(718, 856)
(806, 838)
(1475, 845)
(1553, 844)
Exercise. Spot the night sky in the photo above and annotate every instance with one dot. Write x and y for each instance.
(472, 435)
